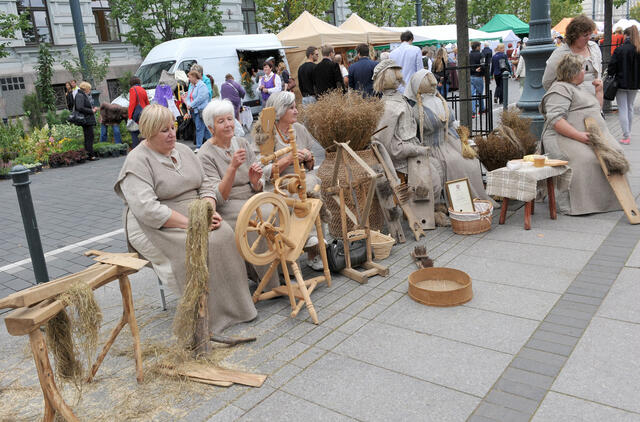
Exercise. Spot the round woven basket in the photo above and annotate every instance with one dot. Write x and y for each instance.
(472, 222)
(380, 243)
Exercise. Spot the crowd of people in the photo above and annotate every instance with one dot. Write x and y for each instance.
(160, 176)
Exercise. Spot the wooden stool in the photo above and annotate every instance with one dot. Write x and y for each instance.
(529, 207)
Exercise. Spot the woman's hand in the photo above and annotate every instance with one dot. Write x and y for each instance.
(597, 83)
(239, 157)
(582, 137)
(216, 221)
(255, 173)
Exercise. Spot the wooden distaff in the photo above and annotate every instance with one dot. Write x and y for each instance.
(618, 181)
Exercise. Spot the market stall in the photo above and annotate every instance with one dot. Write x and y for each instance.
(440, 34)
(374, 34)
(506, 22)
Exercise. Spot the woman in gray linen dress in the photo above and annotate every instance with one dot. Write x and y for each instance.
(157, 182)
(231, 166)
(579, 43)
(439, 133)
(564, 136)
(310, 154)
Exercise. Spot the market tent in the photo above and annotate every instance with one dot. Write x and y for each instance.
(374, 34)
(440, 34)
(506, 36)
(308, 30)
(626, 23)
(504, 22)
(561, 26)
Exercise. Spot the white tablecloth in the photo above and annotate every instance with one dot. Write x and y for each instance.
(522, 184)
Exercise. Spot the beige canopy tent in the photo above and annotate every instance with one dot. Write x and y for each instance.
(374, 34)
(307, 30)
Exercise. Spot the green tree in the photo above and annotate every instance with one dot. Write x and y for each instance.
(9, 24)
(438, 12)
(44, 69)
(564, 9)
(275, 15)
(155, 21)
(634, 12)
(97, 67)
(387, 12)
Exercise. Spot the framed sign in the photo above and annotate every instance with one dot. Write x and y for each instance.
(459, 195)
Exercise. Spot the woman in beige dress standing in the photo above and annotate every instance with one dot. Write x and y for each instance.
(565, 106)
(157, 182)
(233, 169)
(578, 37)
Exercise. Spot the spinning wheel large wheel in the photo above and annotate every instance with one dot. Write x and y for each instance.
(252, 220)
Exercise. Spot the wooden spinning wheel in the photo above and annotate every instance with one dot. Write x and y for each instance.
(251, 219)
(284, 228)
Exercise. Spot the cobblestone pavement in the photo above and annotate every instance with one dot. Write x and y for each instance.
(550, 335)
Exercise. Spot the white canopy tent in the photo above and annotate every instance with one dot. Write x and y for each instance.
(442, 34)
(506, 37)
(625, 23)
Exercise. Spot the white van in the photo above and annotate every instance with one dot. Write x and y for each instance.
(217, 55)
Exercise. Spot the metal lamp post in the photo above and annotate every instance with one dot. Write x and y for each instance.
(78, 28)
(539, 48)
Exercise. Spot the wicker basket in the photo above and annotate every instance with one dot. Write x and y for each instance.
(380, 243)
(472, 222)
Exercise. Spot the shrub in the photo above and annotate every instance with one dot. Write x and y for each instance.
(11, 136)
(32, 109)
(66, 130)
(25, 159)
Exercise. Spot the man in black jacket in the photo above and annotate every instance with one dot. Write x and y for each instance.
(361, 72)
(477, 73)
(305, 76)
(327, 75)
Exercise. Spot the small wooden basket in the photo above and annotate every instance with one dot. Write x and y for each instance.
(438, 286)
(472, 222)
(380, 242)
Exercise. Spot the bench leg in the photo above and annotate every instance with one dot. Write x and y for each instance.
(527, 215)
(552, 199)
(52, 398)
(503, 211)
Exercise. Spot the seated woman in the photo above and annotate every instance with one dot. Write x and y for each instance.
(157, 182)
(310, 153)
(231, 166)
(564, 136)
(438, 128)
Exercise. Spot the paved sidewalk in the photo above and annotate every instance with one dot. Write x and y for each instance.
(550, 335)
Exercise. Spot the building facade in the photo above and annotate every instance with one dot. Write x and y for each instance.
(595, 10)
(52, 23)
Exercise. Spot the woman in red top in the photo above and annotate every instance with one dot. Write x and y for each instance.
(137, 96)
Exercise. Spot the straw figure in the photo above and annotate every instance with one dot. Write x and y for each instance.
(511, 140)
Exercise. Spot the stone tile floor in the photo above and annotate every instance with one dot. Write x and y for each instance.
(550, 335)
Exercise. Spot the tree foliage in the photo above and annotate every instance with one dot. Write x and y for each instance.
(438, 12)
(275, 15)
(564, 9)
(9, 24)
(387, 12)
(634, 12)
(44, 70)
(481, 11)
(155, 21)
(97, 67)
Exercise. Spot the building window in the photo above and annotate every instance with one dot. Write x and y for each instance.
(249, 17)
(331, 14)
(12, 84)
(60, 91)
(106, 24)
(113, 86)
(40, 30)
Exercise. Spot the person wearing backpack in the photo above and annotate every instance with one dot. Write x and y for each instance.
(138, 100)
(499, 65)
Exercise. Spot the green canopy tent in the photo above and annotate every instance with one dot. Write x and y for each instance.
(504, 22)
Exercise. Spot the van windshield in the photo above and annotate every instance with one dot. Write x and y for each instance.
(150, 73)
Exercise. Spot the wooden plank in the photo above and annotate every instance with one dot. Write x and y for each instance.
(122, 261)
(174, 373)
(301, 227)
(350, 214)
(359, 160)
(38, 293)
(214, 373)
(24, 320)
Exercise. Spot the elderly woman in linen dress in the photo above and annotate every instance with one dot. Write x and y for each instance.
(564, 107)
(232, 168)
(157, 182)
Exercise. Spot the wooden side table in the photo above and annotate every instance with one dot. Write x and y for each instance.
(529, 207)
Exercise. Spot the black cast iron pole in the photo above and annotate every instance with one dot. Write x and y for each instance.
(20, 177)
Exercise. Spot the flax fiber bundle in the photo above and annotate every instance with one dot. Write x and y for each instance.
(343, 118)
(614, 160)
(184, 324)
(84, 325)
(511, 140)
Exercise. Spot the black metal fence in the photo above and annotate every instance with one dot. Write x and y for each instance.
(482, 123)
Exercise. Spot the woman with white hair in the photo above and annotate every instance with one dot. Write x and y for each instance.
(232, 167)
(158, 181)
(310, 153)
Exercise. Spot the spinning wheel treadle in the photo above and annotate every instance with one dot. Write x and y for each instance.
(252, 219)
